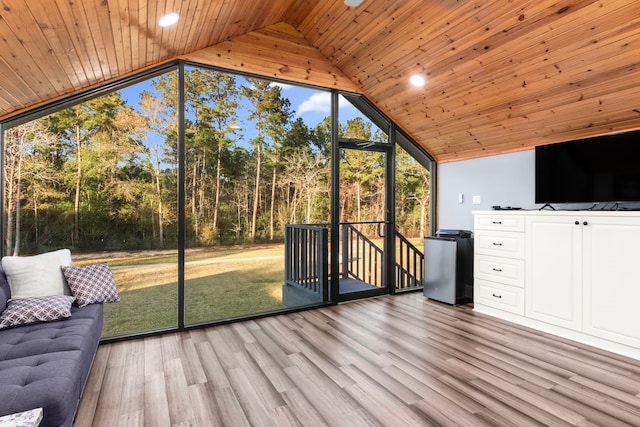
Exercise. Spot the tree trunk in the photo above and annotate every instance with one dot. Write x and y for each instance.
(159, 193)
(358, 207)
(256, 195)
(194, 212)
(36, 221)
(216, 203)
(16, 247)
(200, 211)
(273, 201)
(294, 206)
(76, 206)
(423, 213)
(10, 197)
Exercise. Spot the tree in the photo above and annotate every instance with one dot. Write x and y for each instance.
(270, 113)
(412, 186)
(360, 174)
(152, 124)
(216, 95)
(24, 169)
(77, 126)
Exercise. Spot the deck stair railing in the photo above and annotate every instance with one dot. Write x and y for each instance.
(409, 264)
(307, 258)
(306, 261)
(362, 259)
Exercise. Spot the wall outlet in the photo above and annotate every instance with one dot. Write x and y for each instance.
(476, 200)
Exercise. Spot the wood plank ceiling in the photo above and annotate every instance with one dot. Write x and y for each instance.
(501, 75)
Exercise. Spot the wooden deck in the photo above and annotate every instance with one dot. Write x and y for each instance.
(348, 286)
(389, 361)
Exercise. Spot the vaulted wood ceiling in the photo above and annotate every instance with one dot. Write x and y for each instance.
(501, 75)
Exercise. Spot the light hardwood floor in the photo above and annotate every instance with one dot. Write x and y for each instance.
(390, 361)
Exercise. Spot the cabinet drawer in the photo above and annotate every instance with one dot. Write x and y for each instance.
(503, 297)
(499, 222)
(502, 244)
(507, 271)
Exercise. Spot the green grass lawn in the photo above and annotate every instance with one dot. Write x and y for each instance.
(219, 283)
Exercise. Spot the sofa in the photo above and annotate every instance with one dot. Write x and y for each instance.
(45, 364)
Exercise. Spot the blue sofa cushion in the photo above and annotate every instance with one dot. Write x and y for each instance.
(49, 380)
(79, 332)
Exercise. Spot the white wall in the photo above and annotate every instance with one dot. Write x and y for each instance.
(505, 180)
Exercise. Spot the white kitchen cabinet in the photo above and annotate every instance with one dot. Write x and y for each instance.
(611, 279)
(498, 264)
(573, 274)
(553, 290)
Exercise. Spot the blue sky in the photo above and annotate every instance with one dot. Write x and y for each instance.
(311, 105)
(314, 105)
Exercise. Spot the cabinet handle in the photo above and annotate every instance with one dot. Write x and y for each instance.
(496, 296)
(577, 222)
(497, 269)
(585, 223)
(497, 222)
(497, 244)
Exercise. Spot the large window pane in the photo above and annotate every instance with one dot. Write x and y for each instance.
(99, 178)
(256, 154)
(413, 198)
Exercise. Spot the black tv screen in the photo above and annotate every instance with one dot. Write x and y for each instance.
(592, 170)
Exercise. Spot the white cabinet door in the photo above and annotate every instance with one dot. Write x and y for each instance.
(554, 270)
(611, 279)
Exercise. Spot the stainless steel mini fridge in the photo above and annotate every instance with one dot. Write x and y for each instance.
(448, 267)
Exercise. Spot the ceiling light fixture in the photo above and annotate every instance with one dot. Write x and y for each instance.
(417, 80)
(168, 19)
(353, 3)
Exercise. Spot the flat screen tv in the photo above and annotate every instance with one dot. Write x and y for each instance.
(592, 170)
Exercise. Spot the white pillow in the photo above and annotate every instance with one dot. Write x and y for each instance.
(38, 275)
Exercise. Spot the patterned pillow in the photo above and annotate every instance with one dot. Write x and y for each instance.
(37, 309)
(91, 284)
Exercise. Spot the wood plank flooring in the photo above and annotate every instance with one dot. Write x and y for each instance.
(390, 361)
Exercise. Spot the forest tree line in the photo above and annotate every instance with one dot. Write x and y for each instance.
(103, 174)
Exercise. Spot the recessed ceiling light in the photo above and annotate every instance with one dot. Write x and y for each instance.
(168, 19)
(353, 3)
(417, 80)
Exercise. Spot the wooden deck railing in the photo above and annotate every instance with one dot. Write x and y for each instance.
(409, 265)
(362, 259)
(307, 258)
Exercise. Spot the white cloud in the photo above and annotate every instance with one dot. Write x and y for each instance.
(318, 102)
(284, 86)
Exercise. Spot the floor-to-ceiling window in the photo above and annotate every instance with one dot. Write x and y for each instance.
(190, 214)
(255, 160)
(99, 177)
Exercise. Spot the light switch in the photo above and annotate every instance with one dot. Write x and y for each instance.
(476, 200)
